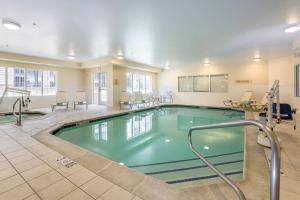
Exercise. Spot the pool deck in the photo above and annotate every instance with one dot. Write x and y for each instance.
(29, 168)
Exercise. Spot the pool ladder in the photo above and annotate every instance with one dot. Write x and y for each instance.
(19, 116)
(275, 160)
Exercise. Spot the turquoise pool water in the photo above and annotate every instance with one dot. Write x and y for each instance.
(10, 118)
(155, 142)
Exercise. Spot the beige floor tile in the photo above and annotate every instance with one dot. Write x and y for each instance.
(117, 193)
(21, 167)
(68, 171)
(82, 176)
(4, 164)
(57, 190)
(45, 180)
(77, 194)
(18, 193)
(136, 198)
(2, 158)
(52, 160)
(21, 159)
(8, 172)
(10, 183)
(12, 149)
(96, 186)
(35, 172)
(33, 197)
(16, 154)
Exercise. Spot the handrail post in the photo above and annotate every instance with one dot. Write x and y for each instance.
(18, 117)
(275, 156)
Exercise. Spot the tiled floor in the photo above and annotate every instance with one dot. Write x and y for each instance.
(30, 170)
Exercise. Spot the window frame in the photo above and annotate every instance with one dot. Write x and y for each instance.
(140, 81)
(10, 77)
(192, 84)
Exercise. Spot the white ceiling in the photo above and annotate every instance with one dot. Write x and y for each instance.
(184, 32)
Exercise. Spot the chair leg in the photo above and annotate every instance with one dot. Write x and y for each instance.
(67, 106)
(52, 108)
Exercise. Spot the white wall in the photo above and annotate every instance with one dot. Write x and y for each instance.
(69, 80)
(256, 73)
(282, 69)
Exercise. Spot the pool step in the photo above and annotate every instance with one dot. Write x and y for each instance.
(194, 170)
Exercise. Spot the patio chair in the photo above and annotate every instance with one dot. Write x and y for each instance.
(245, 99)
(80, 99)
(61, 100)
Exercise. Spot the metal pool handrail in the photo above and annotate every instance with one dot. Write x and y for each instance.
(275, 161)
(18, 117)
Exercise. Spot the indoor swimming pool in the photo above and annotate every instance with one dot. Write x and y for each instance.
(155, 143)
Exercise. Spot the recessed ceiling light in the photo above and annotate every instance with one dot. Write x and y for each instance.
(167, 65)
(206, 147)
(11, 25)
(167, 140)
(206, 62)
(120, 56)
(71, 57)
(292, 28)
(257, 59)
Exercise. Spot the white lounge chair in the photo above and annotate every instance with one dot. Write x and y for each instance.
(138, 99)
(167, 98)
(245, 99)
(61, 100)
(257, 107)
(80, 99)
(126, 100)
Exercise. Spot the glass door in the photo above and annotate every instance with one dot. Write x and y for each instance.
(100, 88)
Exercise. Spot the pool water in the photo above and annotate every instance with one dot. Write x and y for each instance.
(11, 118)
(155, 143)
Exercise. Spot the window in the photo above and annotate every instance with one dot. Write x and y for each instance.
(49, 83)
(203, 83)
(2, 79)
(185, 84)
(36, 81)
(219, 83)
(15, 79)
(135, 83)
(100, 88)
(148, 84)
(138, 83)
(297, 80)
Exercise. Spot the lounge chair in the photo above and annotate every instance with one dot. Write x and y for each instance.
(126, 100)
(80, 99)
(61, 100)
(257, 107)
(139, 99)
(246, 99)
(147, 99)
(286, 113)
